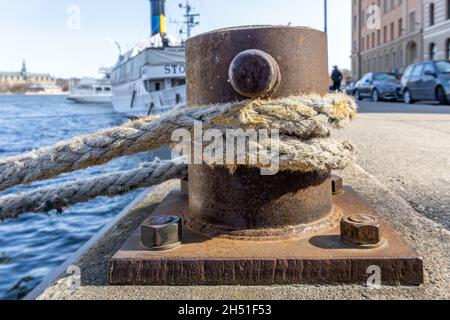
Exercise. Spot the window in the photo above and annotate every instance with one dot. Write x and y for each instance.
(448, 9)
(448, 49)
(417, 71)
(392, 31)
(408, 71)
(400, 27)
(385, 34)
(412, 21)
(385, 77)
(431, 14)
(178, 82)
(429, 68)
(443, 67)
(433, 51)
(363, 78)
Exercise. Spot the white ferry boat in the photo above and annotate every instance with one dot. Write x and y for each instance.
(150, 78)
(91, 91)
(46, 89)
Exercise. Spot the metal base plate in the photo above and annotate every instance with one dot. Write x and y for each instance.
(318, 259)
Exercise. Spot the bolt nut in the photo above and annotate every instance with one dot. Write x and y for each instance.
(337, 185)
(161, 232)
(361, 230)
(254, 74)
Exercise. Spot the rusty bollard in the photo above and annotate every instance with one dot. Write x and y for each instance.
(259, 62)
(241, 227)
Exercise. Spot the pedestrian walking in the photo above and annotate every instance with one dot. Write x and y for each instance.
(336, 77)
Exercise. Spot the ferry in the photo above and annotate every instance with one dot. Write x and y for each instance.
(46, 89)
(150, 78)
(90, 90)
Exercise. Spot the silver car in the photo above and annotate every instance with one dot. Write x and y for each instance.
(379, 86)
(428, 80)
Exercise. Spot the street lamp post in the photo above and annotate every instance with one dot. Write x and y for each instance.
(325, 5)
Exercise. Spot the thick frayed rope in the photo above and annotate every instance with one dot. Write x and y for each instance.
(304, 119)
(118, 183)
(321, 155)
(315, 155)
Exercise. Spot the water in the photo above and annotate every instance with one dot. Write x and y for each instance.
(34, 245)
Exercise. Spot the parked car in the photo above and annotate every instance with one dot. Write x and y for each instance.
(350, 88)
(428, 80)
(379, 86)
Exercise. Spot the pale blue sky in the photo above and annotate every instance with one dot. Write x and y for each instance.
(36, 30)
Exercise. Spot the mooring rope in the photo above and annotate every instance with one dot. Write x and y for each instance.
(302, 118)
(304, 124)
(113, 184)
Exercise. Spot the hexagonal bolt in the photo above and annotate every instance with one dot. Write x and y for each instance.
(361, 230)
(337, 184)
(254, 74)
(161, 232)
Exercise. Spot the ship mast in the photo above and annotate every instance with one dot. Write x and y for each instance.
(158, 20)
(190, 19)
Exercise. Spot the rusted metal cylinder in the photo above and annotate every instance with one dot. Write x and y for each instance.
(245, 200)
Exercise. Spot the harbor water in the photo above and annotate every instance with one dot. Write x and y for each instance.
(32, 246)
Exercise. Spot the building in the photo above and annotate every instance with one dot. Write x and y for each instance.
(390, 45)
(436, 33)
(10, 80)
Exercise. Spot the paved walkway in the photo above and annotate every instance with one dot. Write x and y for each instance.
(407, 148)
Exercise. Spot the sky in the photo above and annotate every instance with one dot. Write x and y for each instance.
(67, 38)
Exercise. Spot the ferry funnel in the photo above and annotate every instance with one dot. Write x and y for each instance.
(158, 14)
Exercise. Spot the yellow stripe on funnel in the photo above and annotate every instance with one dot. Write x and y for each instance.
(162, 24)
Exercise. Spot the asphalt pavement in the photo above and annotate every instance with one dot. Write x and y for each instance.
(407, 148)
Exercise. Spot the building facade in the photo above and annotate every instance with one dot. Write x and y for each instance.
(436, 33)
(12, 79)
(387, 35)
